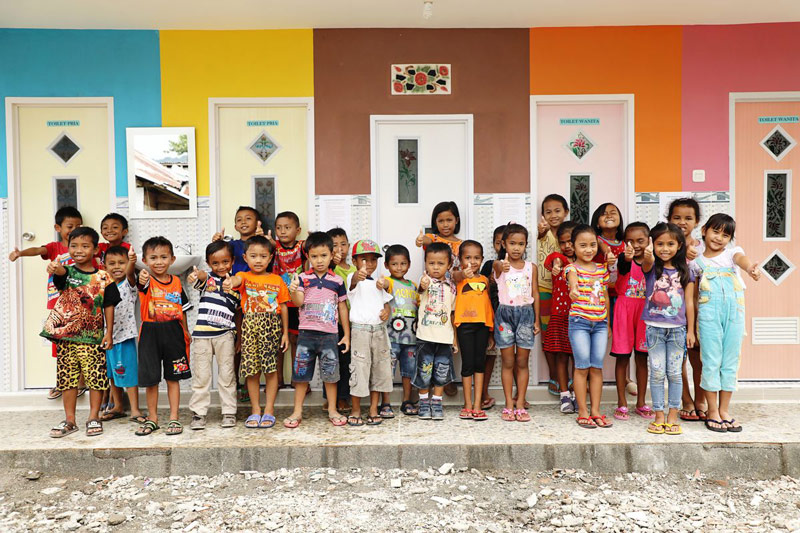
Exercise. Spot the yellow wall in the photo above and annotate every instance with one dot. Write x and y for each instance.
(198, 65)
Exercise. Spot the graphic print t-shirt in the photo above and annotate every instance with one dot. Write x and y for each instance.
(515, 286)
(630, 280)
(472, 302)
(402, 325)
(665, 306)
(125, 313)
(215, 314)
(162, 302)
(592, 284)
(78, 312)
(289, 261)
(435, 307)
(262, 293)
(320, 309)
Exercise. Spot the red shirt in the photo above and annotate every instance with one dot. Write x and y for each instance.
(103, 247)
(561, 301)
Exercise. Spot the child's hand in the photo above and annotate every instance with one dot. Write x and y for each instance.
(192, 277)
(269, 237)
(52, 266)
(537, 328)
(382, 283)
(384, 316)
(295, 283)
(455, 346)
(611, 259)
(237, 344)
(13, 256)
(629, 251)
(691, 253)
(468, 273)
(574, 294)
(259, 229)
(543, 226)
(227, 283)
(345, 342)
(506, 265)
(491, 344)
(144, 277)
(107, 341)
(557, 264)
(648, 252)
(361, 273)
(218, 236)
(132, 256)
(691, 340)
(425, 282)
(284, 341)
(754, 272)
(337, 258)
(420, 238)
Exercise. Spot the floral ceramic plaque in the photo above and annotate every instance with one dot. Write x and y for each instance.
(421, 78)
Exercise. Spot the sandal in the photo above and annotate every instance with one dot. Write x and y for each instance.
(488, 403)
(374, 420)
(386, 411)
(139, 419)
(63, 429)
(266, 422)
(552, 387)
(521, 415)
(94, 428)
(54, 394)
(82, 391)
(292, 423)
(147, 428)
(174, 427)
(645, 412)
(586, 422)
(731, 428)
(508, 415)
(689, 415)
(338, 421)
(353, 420)
(479, 415)
(228, 420)
(656, 428)
(602, 418)
(673, 429)
(720, 429)
(252, 421)
(621, 413)
(702, 415)
(112, 415)
(408, 409)
(465, 414)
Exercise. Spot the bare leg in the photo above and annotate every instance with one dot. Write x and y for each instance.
(579, 383)
(595, 389)
(523, 375)
(621, 377)
(686, 394)
(438, 391)
(254, 391)
(299, 397)
(641, 378)
(271, 389)
(133, 399)
(281, 361)
(550, 357)
(507, 375)
(490, 359)
(697, 370)
(374, 396)
(116, 398)
(724, 407)
(330, 388)
(151, 395)
(174, 397)
(467, 382)
(355, 401)
(385, 397)
(69, 398)
(406, 389)
(713, 406)
(95, 398)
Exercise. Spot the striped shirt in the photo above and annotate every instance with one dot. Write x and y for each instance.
(320, 309)
(216, 310)
(592, 285)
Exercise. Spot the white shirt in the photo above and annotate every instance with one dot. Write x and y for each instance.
(366, 301)
(724, 260)
(124, 313)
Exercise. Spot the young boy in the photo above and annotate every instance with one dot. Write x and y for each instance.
(164, 337)
(435, 336)
(67, 219)
(214, 335)
(371, 365)
(121, 358)
(320, 296)
(290, 258)
(87, 299)
(113, 228)
(341, 251)
(248, 223)
(402, 323)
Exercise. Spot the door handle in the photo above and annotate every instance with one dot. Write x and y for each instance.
(28, 236)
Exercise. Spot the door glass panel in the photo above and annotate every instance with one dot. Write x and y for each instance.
(776, 189)
(407, 171)
(579, 198)
(66, 192)
(264, 200)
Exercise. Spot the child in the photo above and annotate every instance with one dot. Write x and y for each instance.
(669, 308)
(371, 363)
(554, 211)
(67, 219)
(436, 342)
(113, 228)
(247, 222)
(588, 324)
(720, 317)
(446, 222)
(341, 250)
(402, 323)
(320, 296)
(265, 327)
(214, 335)
(685, 213)
(164, 335)
(121, 358)
(628, 327)
(87, 299)
(607, 223)
(474, 323)
(290, 258)
(556, 336)
(517, 318)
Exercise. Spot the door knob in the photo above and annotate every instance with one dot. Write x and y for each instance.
(28, 236)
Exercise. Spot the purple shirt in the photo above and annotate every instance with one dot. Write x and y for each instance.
(320, 309)
(665, 303)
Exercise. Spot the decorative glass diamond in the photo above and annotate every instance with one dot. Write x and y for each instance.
(778, 143)
(579, 145)
(777, 267)
(65, 148)
(264, 147)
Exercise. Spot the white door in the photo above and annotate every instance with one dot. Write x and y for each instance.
(417, 162)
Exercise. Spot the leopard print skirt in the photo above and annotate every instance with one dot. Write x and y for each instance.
(261, 342)
(74, 359)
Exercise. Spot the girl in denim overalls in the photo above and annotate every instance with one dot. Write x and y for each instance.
(720, 317)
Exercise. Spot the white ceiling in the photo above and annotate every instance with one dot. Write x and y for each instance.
(272, 14)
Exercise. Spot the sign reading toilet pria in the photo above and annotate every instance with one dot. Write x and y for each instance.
(62, 123)
(262, 123)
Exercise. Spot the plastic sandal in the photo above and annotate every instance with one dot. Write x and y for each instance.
(291, 423)
(689, 415)
(508, 415)
(338, 421)
(147, 428)
(54, 394)
(408, 409)
(720, 429)
(621, 413)
(731, 428)
(174, 427)
(63, 429)
(602, 418)
(479, 415)
(253, 421)
(356, 421)
(374, 420)
(386, 411)
(465, 414)
(656, 429)
(139, 419)
(266, 422)
(488, 403)
(521, 415)
(94, 428)
(673, 429)
(552, 387)
(645, 412)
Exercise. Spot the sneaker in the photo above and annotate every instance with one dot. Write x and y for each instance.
(198, 422)
(566, 405)
(425, 409)
(437, 412)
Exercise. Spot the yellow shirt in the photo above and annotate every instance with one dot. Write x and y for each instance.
(546, 246)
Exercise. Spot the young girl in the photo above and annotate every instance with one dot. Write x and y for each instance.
(669, 308)
(445, 222)
(685, 213)
(473, 320)
(492, 351)
(720, 317)
(517, 318)
(588, 324)
(628, 327)
(607, 223)
(554, 211)
(556, 336)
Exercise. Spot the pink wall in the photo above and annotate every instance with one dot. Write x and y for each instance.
(718, 60)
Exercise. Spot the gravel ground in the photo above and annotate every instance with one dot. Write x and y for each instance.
(433, 500)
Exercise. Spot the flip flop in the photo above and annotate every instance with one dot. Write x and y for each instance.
(408, 409)
(479, 415)
(621, 413)
(266, 422)
(147, 428)
(720, 429)
(488, 404)
(605, 423)
(521, 415)
(386, 411)
(252, 421)
(656, 428)
(292, 423)
(465, 414)
(673, 429)
(508, 415)
(139, 419)
(356, 421)
(112, 415)
(54, 394)
(688, 415)
(374, 420)
(338, 421)
(732, 428)
(552, 387)
(645, 412)
(586, 422)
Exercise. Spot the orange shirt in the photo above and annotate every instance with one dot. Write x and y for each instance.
(472, 302)
(162, 302)
(262, 293)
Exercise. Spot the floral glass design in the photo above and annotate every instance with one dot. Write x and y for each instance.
(778, 143)
(579, 145)
(776, 268)
(407, 171)
(420, 79)
(264, 147)
(264, 200)
(579, 198)
(776, 205)
(65, 148)
(66, 192)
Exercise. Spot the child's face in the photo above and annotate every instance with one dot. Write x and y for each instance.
(286, 230)
(437, 264)
(639, 239)
(257, 258)
(666, 246)
(565, 243)
(117, 265)
(471, 257)
(66, 227)
(221, 262)
(684, 217)
(368, 261)
(246, 223)
(716, 240)
(497, 243)
(112, 231)
(82, 250)
(515, 245)
(610, 218)
(554, 213)
(320, 259)
(398, 266)
(446, 223)
(585, 246)
(341, 246)
(158, 259)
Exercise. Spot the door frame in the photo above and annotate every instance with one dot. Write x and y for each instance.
(215, 104)
(466, 119)
(16, 323)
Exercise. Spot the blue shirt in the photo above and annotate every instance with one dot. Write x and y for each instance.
(238, 257)
(215, 314)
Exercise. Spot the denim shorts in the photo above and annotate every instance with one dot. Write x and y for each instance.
(404, 356)
(434, 365)
(589, 339)
(310, 345)
(513, 325)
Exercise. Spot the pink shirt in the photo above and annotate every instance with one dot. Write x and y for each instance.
(515, 286)
(320, 309)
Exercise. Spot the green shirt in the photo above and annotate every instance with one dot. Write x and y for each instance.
(343, 272)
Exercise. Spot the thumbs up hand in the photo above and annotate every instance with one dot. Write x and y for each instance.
(629, 251)
(144, 277)
(420, 238)
(361, 275)
(425, 282)
(14, 255)
(543, 226)
(611, 259)
(468, 272)
(754, 272)
(381, 283)
(227, 283)
(259, 229)
(52, 266)
(192, 277)
(270, 238)
(506, 265)
(691, 253)
(557, 265)
(337, 257)
(218, 236)
(295, 283)
(648, 252)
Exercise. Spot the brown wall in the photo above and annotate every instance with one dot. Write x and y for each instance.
(490, 80)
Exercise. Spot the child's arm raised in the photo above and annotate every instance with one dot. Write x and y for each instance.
(344, 320)
(572, 283)
(56, 269)
(422, 239)
(218, 236)
(197, 278)
(748, 266)
(543, 227)
(130, 270)
(500, 266)
(298, 296)
(649, 258)
(41, 251)
(688, 294)
(359, 275)
(231, 283)
(285, 327)
(537, 326)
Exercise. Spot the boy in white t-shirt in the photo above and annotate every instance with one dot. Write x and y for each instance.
(370, 353)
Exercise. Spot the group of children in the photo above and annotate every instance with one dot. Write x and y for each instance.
(656, 293)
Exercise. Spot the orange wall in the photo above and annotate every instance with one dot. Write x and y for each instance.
(644, 61)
